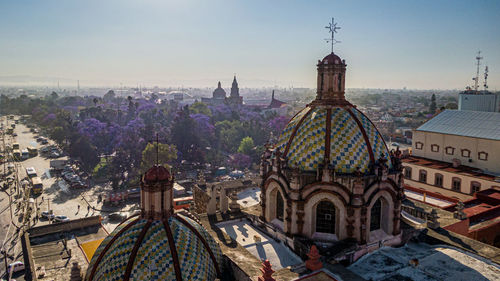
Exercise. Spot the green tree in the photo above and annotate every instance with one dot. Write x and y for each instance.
(432, 106)
(246, 146)
(451, 105)
(58, 135)
(199, 107)
(161, 151)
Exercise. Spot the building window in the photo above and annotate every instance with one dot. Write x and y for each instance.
(438, 180)
(450, 150)
(434, 148)
(375, 215)
(408, 173)
(422, 176)
(419, 145)
(456, 184)
(475, 187)
(280, 206)
(482, 156)
(325, 217)
(465, 153)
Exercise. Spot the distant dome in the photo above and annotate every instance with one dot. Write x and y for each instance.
(331, 59)
(219, 93)
(141, 249)
(353, 139)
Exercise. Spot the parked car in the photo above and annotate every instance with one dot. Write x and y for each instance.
(78, 184)
(61, 218)
(15, 266)
(44, 141)
(14, 134)
(117, 217)
(47, 215)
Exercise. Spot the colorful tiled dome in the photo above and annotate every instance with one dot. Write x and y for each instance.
(175, 248)
(342, 133)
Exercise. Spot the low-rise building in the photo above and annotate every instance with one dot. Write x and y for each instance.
(456, 153)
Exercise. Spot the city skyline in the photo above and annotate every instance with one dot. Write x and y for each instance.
(196, 44)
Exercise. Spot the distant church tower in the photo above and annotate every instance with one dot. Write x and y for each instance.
(234, 97)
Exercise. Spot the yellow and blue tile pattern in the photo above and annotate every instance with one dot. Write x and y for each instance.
(154, 259)
(348, 147)
(307, 148)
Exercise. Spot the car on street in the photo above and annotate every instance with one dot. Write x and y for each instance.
(31, 172)
(78, 184)
(15, 267)
(14, 134)
(48, 215)
(117, 217)
(61, 218)
(44, 141)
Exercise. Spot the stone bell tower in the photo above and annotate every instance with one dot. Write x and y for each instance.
(331, 80)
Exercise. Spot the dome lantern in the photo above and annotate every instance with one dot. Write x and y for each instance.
(331, 81)
(157, 193)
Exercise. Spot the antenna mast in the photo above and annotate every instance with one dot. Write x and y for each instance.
(486, 78)
(476, 79)
(332, 28)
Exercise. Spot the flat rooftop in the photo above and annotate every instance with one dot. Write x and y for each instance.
(49, 251)
(259, 244)
(448, 167)
(429, 263)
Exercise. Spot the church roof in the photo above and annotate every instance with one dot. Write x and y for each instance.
(476, 124)
(342, 133)
(276, 103)
(142, 249)
(219, 93)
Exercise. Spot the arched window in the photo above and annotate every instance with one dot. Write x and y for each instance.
(475, 187)
(456, 184)
(408, 173)
(325, 217)
(438, 180)
(422, 176)
(375, 214)
(280, 206)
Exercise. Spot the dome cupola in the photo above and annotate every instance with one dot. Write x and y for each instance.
(158, 244)
(330, 132)
(219, 93)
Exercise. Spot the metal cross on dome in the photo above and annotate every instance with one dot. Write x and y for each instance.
(332, 28)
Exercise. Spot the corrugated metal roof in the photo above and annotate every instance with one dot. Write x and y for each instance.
(476, 124)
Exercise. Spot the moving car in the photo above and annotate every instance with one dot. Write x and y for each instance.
(61, 218)
(117, 217)
(15, 266)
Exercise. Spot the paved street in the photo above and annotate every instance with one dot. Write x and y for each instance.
(57, 196)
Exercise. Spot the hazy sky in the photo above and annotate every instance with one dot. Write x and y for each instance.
(387, 44)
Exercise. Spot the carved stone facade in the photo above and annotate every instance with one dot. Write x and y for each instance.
(330, 176)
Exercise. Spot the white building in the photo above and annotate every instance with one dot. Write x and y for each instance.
(456, 153)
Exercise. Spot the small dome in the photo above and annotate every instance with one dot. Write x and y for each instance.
(157, 173)
(353, 140)
(141, 249)
(331, 59)
(219, 93)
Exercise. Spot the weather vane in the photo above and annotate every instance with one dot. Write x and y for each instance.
(332, 28)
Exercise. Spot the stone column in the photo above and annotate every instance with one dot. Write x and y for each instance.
(224, 207)
(212, 203)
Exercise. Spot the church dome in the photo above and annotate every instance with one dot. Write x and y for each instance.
(145, 249)
(159, 243)
(342, 134)
(331, 59)
(219, 93)
(330, 131)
